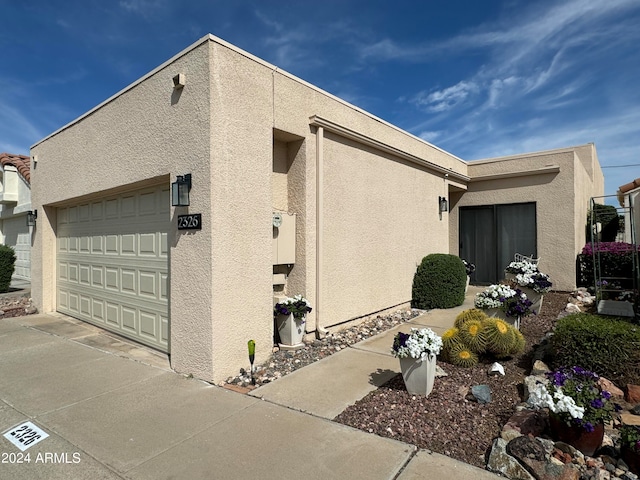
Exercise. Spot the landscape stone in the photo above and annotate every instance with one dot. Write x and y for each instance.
(571, 308)
(530, 452)
(527, 422)
(482, 393)
(635, 410)
(500, 461)
(610, 387)
(633, 393)
(539, 368)
(530, 383)
(440, 372)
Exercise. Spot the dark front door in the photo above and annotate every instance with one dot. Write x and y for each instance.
(491, 235)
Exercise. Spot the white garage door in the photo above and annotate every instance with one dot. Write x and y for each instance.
(16, 235)
(113, 264)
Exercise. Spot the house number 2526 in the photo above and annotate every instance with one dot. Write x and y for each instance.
(190, 222)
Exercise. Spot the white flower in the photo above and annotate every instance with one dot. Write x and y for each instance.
(419, 345)
(558, 403)
(490, 298)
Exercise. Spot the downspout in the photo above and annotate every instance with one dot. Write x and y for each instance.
(320, 332)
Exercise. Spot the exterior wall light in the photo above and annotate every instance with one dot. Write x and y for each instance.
(31, 218)
(443, 205)
(180, 191)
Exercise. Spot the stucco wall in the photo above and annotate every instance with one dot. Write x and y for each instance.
(554, 194)
(146, 134)
(588, 182)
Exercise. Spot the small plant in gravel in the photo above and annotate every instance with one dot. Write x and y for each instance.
(629, 436)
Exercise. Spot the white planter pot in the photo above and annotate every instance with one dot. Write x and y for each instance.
(497, 313)
(291, 330)
(535, 297)
(418, 375)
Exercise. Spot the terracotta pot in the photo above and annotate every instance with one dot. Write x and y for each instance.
(632, 458)
(577, 437)
(418, 375)
(291, 330)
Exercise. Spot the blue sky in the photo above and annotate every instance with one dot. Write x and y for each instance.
(477, 78)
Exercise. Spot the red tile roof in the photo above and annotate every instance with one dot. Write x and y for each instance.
(21, 162)
(629, 186)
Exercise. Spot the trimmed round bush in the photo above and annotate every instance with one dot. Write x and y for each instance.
(439, 282)
(7, 266)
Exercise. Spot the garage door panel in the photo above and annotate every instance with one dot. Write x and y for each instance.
(113, 264)
(17, 235)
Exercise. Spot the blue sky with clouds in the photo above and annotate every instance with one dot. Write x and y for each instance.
(477, 78)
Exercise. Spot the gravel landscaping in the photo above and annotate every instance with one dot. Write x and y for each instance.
(447, 421)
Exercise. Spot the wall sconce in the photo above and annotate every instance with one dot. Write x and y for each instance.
(31, 218)
(180, 191)
(443, 205)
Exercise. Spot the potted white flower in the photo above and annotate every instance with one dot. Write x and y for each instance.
(504, 302)
(290, 316)
(417, 352)
(534, 285)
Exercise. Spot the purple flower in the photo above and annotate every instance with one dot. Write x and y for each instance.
(606, 395)
(597, 403)
(588, 426)
(400, 340)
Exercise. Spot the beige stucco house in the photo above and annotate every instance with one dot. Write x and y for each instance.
(356, 200)
(15, 202)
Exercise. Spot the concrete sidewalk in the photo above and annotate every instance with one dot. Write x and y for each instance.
(115, 410)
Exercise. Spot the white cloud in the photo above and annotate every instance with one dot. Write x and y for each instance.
(445, 99)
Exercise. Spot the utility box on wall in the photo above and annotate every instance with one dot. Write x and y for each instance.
(284, 238)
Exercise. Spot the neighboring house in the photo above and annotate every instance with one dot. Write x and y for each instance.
(357, 202)
(15, 201)
(629, 199)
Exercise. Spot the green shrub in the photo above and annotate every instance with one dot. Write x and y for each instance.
(608, 346)
(439, 282)
(7, 266)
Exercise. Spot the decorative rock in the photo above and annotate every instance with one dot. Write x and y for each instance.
(539, 368)
(530, 383)
(635, 410)
(632, 394)
(440, 372)
(610, 387)
(530, 452)
(607, 441)
(500, 461)
(482, 393)
(496, 368)
(526, 422)
(601, 474)
(571, 308)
